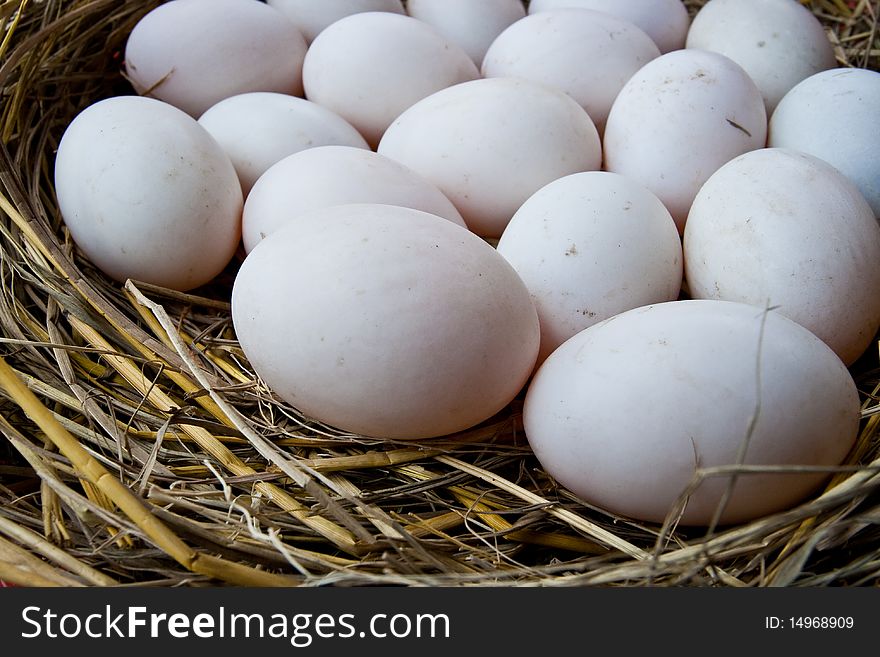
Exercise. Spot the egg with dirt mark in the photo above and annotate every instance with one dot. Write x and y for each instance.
(590, 246)
(680, 118)
(777, 42)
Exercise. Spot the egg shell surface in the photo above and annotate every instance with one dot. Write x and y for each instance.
(680, 118)
(487, 157)
(777, 42)
(587, 54)
(388, 322)
(370, 67)
(258, 129)
(335, 175)
(665, 21)
(783, 229)
(195, 53)
(833, 115)
(472, 25)
(147, 193)
(624, 413)
(312, 16)
(590, 246)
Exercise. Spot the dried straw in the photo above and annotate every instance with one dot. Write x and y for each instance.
(140, 450)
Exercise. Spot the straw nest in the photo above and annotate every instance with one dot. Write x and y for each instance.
(139, 449)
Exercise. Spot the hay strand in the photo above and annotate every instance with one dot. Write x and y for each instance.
(119, 495)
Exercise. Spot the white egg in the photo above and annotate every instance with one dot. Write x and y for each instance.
(587, 54)
(589, 246)
(665, 21)
(490, 144)
(195, 53)
(388, 322)
(472, 25)
(787, 230)
(258, 129)
(625, 413)
(370, 67)
(335, 175)
(777, 42)
(312, 16)
(834, 116)
(678, 119)
(147, 193)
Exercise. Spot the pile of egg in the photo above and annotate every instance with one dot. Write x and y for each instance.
(664, 231)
